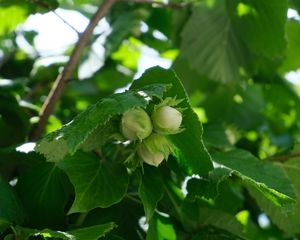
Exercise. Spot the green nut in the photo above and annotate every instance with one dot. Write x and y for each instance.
(167, 120)
(136, 124)
(154, 149)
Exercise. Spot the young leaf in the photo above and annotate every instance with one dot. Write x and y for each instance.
(189, 142)
(74, 135)
(97, 183)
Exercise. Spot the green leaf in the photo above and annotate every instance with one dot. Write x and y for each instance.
(189, 142)
(211, 233)
(14, 122)
(126, 214)
(72, 136)
(269, 179)
(245, 114)
(151, 190)
(11, 16)
(221, 188)
(42, 191)
(214, 135)
(121, 29)
(88, 233)
(160, 228)
(295, 4)
(261, 25)
(217, 51)
(11, 210)
(194, 216)
(208, 188)
(93, 232)
(97, 183)
(110, 78)
(292, 61)
(7, 85)
(287, 219)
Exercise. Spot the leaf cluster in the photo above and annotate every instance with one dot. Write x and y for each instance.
(234, 173)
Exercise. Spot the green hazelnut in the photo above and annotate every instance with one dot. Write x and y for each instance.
(136, 124)
(166, 120)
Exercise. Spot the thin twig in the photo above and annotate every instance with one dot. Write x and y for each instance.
(49, 8)
(66, 22)
(158, 3)
(283, 157)
(63, 78)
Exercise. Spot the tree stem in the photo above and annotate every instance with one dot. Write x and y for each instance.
(63, 78)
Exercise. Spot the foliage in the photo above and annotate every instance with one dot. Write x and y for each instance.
(233, 169)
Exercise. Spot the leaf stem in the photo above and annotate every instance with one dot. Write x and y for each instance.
(172, 199)
(63, 78)
(283, 157)
(81, 218)
(134, 199)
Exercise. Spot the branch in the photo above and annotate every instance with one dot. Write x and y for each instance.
(49, 8)
(63, 78)
(66, 22)
(158, 3)
(283, 157)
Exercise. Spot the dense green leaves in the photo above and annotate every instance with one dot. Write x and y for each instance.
(231, 56)
(97, 182)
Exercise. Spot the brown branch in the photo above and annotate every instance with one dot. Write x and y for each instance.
(283, 157)
(158, 3)
(63, 78)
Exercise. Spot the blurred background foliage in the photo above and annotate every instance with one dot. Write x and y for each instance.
(239, 61)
